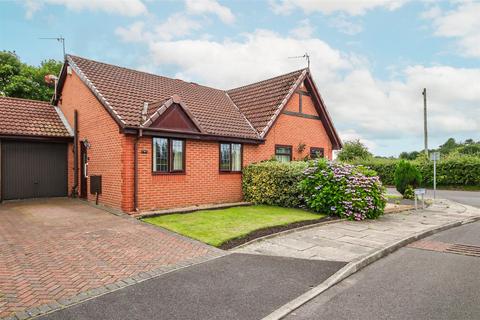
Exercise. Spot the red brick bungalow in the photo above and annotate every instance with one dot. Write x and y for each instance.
(160, 143)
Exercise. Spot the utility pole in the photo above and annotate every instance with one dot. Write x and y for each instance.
(425, 130)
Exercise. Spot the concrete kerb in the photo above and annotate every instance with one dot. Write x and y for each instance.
(358, 264)
(151, 214)
(274, 235)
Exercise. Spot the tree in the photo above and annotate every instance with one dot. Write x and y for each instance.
(470, 149)
(409, 155)
(448, 146)
(354, 150)
(10, 66)
(406, 175)
(20, 80)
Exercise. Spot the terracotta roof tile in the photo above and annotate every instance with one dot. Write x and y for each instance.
(126, 90)
(259, 101)
(30, 118)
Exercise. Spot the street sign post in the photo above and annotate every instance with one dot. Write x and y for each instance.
(435, 156)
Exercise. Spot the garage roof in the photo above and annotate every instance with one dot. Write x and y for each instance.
(22, 117)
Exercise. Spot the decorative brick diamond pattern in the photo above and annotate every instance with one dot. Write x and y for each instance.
(54, 251)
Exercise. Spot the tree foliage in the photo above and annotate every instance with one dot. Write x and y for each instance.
(20, 80)
(451, 146)
(406, 175)
(409, 155)
(354, 150)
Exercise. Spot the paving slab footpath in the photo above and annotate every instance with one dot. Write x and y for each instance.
(349, 240)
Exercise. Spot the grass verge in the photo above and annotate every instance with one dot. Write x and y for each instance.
(217, 227)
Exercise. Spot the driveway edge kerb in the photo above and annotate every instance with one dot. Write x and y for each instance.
(54, 306)
(358, 264)
(273, 235)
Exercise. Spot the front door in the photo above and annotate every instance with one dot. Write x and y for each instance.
(83, 170)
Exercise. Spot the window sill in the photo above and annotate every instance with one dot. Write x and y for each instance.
(230, 172)
(157, 173)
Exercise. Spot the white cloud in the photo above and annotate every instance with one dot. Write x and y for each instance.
(345, 25)
(353, 8)
(462, 23)
(133, 33)
(393, 110)
(385, 114)
(210, 6)
(304, 30)
(351, 134)
(176, 25)
(257, 56)
(121, 7)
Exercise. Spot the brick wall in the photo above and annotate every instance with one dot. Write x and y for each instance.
(97, 126)
(202, 183)
(293, 130)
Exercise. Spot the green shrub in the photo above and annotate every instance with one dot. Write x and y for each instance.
(348, 191)
(452, 170)
(385, 168)
(406, 174)
(353, 150)
(409, 193)
(273, 183)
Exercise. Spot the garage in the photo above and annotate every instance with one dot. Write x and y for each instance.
(34, 139)
(33, 169)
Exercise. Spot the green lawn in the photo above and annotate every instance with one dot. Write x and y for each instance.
(394, 196)
(218, 226)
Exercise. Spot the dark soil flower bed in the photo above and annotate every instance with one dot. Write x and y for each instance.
(230, 244)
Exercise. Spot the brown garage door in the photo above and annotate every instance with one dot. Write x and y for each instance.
(33, 170)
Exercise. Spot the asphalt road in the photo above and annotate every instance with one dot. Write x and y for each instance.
(237, 286)
(471, 198)
(408, 284)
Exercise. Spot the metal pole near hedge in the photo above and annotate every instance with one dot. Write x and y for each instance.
(435, 156)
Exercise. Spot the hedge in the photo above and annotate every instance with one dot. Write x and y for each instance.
(385, 169)
(273, 183)
(451, 171)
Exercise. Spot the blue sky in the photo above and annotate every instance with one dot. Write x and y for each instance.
(370, 59)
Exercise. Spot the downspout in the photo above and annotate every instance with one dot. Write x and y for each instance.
(75, 155)
(135, 170)
(135, 157)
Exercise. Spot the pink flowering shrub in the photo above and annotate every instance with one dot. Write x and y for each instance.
(344, 190)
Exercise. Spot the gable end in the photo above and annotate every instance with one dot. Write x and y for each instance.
(175, 118)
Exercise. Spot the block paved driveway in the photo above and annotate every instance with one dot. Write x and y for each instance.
(59, 248)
